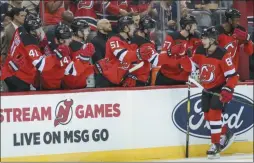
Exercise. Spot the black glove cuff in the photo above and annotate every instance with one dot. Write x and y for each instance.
(231, 90)
(132, 76)
(84, 58)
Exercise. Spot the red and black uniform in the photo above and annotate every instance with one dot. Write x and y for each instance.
(120, 53)
(217, 74)
(172, 74)
(24, 60)
(52, 79)
(87, 9)
(79, 69)
(230, 42)
(141, 76)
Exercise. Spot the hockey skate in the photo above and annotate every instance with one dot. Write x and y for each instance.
(226, 140)
(214, 151)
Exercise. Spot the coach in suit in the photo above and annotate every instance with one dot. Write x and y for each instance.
(17, 16)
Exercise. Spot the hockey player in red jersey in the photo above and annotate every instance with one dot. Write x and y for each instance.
(218, 75)
(25, 58)
(80, 68)
(51, 80)
(120, 53)
(178, 45)
(141, 38)
(232, 36)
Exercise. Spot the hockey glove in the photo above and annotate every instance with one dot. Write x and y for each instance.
(144, 53)
(130, 81)
(226, 94)
(241, 35)
(87, 52)
(177, 50)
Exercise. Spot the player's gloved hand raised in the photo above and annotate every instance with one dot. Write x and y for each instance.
(88, 50)
(177, 50)
(226, 94)
(241, 34)
(62, 51)
(145, 52)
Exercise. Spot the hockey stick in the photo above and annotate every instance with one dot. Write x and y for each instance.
(136, 67)
(213, 93)
(188, 126)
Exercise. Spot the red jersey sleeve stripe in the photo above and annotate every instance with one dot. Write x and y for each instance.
(39, 63)
(120, 53)
(230, 72)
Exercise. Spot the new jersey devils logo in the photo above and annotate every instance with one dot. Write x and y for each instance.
(85, 4)
(124, 65)
(207, 73)
(232, 48)
(63, 112)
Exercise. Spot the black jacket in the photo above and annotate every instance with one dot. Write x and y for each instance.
(99, 43)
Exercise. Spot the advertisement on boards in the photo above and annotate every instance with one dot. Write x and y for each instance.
(112, 120)
(59, 123)
(236, 115)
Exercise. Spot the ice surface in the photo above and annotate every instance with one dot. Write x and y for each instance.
(228, 158)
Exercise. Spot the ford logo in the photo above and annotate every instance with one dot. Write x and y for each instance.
(238, 116)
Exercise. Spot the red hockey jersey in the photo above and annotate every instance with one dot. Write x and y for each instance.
(87, 9)
(25, 58)
(172, 70)
(120, 53)
(52, 78)
(233, 45)
(217, 69)
(142, 73)
(79, 70)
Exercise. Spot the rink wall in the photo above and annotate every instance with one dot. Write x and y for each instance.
(145, 123)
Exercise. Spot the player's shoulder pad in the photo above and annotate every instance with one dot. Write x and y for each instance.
(220, 29)
(200, 50)
(26, 38)
(139, 40)
(75, 45)
(175, 35)
(219, 53)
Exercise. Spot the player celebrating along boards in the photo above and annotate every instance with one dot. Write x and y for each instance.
(120, 53)
(141, 38)
(51, 80)
(184, 42)
(80, 68)
(217, 74)
(25, 58)
(232, 35)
